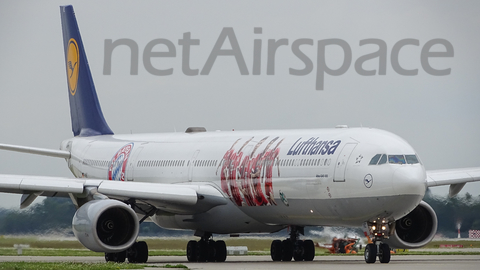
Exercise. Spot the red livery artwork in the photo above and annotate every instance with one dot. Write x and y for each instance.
(246, 174)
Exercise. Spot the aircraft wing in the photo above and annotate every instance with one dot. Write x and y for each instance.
(456, 178)
(173, 198)
(35, 150)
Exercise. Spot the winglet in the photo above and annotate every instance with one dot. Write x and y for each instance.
(85, 111)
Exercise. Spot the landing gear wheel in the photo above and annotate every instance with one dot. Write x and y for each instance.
(298, 251)
(138, 253)
(276, 250)
(206, 250)
(292, 248)
(370, 253)
(142, 252)
(118, 257)
(192, 251)
(287, 250)
(221, 251)
(211, 251)
(308, 250)
(108, 257)
(384, 255)
(132, 253)
(202, 251)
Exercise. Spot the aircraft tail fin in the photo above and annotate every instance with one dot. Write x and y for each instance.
(85, 111)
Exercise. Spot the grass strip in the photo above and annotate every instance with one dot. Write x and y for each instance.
(67, 266)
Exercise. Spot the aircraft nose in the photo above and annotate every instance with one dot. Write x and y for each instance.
(409, 180)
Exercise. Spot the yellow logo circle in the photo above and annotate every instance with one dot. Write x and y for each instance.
(72, 65)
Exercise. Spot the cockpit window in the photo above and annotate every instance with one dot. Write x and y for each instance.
(411, 159)
(396, 159)
(375, 159)
(380, 159)
(383, 160)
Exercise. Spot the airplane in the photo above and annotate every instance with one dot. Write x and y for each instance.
(232, 182)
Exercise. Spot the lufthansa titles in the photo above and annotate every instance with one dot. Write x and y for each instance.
(313, 146)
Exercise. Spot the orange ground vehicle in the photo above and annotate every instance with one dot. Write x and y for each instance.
(342, 245)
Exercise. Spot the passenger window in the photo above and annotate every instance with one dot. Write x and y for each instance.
(383, 160)
(396, 159)
(375, 159)
(411, 159)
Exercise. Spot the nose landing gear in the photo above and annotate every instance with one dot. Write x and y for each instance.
(382, 251)
(376, 232)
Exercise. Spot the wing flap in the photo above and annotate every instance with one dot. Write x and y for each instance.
(166, 193)
(172, 198)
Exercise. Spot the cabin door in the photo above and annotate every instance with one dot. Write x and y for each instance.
(342, 161)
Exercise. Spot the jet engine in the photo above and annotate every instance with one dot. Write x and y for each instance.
(416, 229)
(105, 226)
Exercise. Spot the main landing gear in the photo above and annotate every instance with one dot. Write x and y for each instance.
(137, 253)
(206, 250)
(299, 250)
(378, 231)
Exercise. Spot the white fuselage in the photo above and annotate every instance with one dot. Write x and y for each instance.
(272, 178)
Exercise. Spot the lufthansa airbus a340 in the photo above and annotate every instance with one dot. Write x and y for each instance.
(231, 182)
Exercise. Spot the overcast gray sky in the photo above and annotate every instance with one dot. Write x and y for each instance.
(437, 115)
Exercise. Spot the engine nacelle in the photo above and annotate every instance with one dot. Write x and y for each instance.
(416, 229)
(105, 225)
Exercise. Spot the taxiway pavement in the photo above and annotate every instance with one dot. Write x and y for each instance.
(398, 262)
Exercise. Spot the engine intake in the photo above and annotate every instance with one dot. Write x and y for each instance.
(416, 229)
(105, 226)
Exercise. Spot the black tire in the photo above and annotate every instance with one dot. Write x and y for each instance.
(118, 257)
(221, 249)
(384, 255)
(308, 250)
(109, 257)
(276, 250)
(287, 250)
(370, 253)
(298, 251)
(211, 251)
(142, 252)
(192, 251)
(132, 253)
(121, 257)
(138, 253)
(202, 251)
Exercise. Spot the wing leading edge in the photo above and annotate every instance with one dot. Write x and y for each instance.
(36, 150)
(173, 198)
(456, 178)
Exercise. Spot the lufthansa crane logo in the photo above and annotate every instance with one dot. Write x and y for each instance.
(72, 65)
(368, 181)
